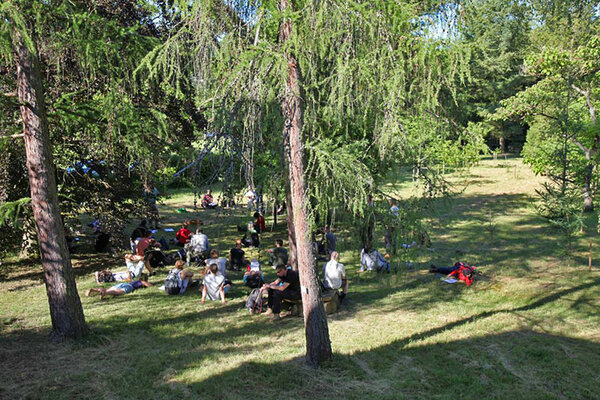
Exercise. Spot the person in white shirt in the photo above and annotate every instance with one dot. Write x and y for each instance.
(334, 275)
(215, 259)
(250, 198)
(197, 247)
(214, 286)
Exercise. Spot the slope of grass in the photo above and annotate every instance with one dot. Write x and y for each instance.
(529, 327)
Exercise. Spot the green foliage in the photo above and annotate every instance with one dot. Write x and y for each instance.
(560, 107)
(495, 35)
(368, 83)
(11, 211)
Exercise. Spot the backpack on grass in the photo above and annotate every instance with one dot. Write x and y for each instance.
(172, 282)
(254, 303)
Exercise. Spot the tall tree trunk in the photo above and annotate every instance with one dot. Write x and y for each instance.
(318, 345)
(29, 244)
(65, 306)
(588, 202)
(275, 208)
(502, 142)
(293, 259)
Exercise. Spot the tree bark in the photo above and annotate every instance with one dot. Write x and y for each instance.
(29, 244)
(318, 345)
(66, 312)
(293, 258)
(588, 202)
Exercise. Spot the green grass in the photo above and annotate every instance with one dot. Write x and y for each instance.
(528, 329)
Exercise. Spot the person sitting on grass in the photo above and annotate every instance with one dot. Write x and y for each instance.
(260, 224)
(182, 276)
(147, 243)
(278, 255)
(460, 271)
(251, 238)
(215, 259)
(254, 277)
(334, 275)
(286, 286)
(118, 289)
(236, 257)
(135, 265)
(373, 259)
(183, 235)
(208, 200)
(138, 234)
(214, 285)
(197, 247)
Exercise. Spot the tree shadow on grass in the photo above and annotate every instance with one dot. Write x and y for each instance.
(493, 232)
(514, 364)
(161, 352)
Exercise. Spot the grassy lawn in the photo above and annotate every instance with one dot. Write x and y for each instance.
(529, 328)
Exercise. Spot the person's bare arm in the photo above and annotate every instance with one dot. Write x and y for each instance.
(146, 284)
(203, 294)
(278, 287)
(271, 285)
(222, 291)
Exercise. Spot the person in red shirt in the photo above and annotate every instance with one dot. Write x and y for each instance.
(183, 235)
(208, 200)
(144, 243)
(460, 271)
(259, 224)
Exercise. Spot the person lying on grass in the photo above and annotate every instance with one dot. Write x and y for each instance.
(118, 289)
(135, 265)
(460, 270)
(214, 285)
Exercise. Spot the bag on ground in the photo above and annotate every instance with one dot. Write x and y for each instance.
(172, 282)
(254, 302)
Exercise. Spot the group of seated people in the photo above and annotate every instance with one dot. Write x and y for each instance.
(215, 284)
